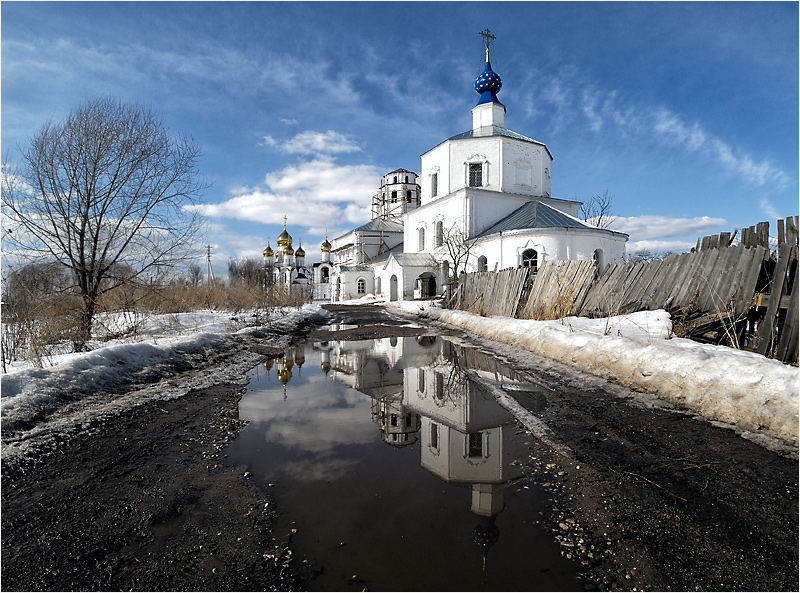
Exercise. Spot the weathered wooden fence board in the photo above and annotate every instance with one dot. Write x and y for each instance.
(710, 291)
(556, 289)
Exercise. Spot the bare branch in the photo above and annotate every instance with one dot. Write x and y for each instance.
(597, 210)
(109, 186)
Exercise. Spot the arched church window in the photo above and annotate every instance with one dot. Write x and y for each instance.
(598, 259)
(475, 174)
(483, 265)
(362, 286)
(422, 239)
(378, 285)
(434, 185)
(325, 275)
(530, 259)
(439, 233)
(395, 179)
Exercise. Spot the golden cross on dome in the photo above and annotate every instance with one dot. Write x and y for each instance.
(488, 37)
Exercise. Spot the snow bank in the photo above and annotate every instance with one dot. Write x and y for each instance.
(79, 388)
(758, 395)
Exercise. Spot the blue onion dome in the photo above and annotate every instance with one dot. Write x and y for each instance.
(488, 82)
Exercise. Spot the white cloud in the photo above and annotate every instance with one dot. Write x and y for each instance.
(570, 93)
(653, 227)
(315, 194)
(658, 247)
(768, 209)
(329, 142)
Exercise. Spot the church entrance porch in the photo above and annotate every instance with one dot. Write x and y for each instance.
(425, 286)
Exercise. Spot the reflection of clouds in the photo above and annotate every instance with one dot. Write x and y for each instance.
(322, 467)
(317, 418)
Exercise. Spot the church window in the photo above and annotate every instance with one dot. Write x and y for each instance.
(362, 286)
(434, 436)
(530, 259)
(482, 264)
(325, 275)
(422, 239)
(475, 174)
(439, 233)
(408, 195)
(421, 381)
(475, 445)
(434, 185)
(394, 197)
(406, 178)
(378, 289)
(395, 179)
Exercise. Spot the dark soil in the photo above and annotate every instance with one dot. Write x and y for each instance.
(649, 498)
(144, 504)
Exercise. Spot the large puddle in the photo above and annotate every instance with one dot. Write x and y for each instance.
(393, 471)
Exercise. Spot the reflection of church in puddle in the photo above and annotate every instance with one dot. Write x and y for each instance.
(295, 356)
(466, 438)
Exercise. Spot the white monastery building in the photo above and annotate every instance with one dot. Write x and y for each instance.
(482, 202)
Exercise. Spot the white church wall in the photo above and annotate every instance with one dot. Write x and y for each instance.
(475, 150)
(435, 162)
(448, 210)
(570, 207)
(505, 251)
(525, 168)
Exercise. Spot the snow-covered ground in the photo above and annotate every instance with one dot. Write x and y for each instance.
(42, 407)
(757, 395)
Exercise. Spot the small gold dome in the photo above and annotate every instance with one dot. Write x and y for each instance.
(268, 252)
(288, 250)
(300, 251)
(326, 247)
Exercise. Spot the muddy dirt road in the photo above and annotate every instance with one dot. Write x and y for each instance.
(650, 498)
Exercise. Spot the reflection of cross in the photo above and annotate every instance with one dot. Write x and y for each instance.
(488, 37)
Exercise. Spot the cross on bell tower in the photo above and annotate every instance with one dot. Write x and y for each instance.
(488, 38)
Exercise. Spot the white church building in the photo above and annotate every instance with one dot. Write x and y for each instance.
(481, 202)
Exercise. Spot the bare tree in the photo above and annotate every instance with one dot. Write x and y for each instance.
(645, 255)
(246, 271)
(458, 247)
(108, 186)
(597, 210)
(195, 275)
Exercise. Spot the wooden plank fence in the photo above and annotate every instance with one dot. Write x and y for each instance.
(742, 295)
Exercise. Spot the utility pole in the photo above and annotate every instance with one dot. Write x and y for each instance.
(209, 271)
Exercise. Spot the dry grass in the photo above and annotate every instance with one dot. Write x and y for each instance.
(40, 318)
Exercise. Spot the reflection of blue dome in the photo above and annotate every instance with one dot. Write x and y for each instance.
(488, 84)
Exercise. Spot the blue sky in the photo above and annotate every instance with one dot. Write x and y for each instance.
(687, 113)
